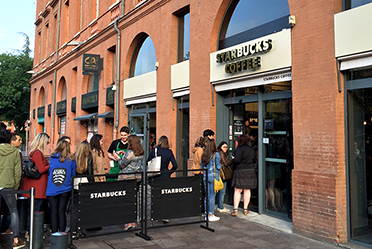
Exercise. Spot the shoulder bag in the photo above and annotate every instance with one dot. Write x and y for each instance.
(30, 169)
(226, 173)
(154, 165)
(218, 184)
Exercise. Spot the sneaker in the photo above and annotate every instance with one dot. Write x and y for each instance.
(20, 244)
(7, 232)
(224, 210)
(213, 218)
(129, 226)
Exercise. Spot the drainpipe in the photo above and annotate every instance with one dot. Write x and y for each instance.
(117, 82)
(55, 71)
(122, 7)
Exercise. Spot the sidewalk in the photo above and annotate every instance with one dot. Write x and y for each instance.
(251, 231)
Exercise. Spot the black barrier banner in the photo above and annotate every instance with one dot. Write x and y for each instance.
(176, 197)
(107, 203)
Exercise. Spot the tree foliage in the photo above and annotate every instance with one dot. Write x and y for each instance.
(15, 86)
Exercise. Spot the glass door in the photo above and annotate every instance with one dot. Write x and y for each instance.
(278, 162)
(360, 163)
(138, 125)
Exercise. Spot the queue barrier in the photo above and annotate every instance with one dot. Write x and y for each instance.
(141, 200)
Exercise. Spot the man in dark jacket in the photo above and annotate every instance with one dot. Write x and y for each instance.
(10, 176)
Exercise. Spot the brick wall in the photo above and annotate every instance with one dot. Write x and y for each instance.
(318, 178)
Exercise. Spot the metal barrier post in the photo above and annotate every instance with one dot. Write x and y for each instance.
(143, 206)
(32, 210)
(59, 240)
(206, 201)
(38, 230)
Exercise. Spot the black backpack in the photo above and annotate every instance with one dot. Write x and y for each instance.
(30, 169)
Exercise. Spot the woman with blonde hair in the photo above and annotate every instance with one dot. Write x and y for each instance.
(84, 169)
(37, 156)
(62, 169)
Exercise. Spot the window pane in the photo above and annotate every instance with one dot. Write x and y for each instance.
(250, 14)
(349, 4)
(184, 37)
(146, 58)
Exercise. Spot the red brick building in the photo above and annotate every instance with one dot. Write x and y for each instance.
(296, 72)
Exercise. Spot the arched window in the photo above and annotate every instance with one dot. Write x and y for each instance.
(144, 58)
(63, 89)
(41, 97)
(250, 19)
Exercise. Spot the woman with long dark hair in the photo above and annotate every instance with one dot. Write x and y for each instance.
(98, 155)
(62, 169)
(211, 162)
(245, 177)
(166, 157)
(225, 162)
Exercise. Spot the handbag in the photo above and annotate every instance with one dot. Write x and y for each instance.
(218, 184)
(30, 169)
(226, 173)
(154, 165)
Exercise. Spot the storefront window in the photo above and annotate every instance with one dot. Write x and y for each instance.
(144, 57)
(349, 4)
(248, 20)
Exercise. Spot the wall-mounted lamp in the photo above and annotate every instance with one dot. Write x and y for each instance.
(113, 88)
(157, 64)
(292, 21)
(74, 43)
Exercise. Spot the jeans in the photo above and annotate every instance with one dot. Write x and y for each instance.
(221, 196)
(211, 197)
(9, 196)
(58, 206)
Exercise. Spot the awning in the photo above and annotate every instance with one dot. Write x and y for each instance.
(87, 116)
(109, 114)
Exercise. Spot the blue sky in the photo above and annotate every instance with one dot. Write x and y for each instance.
(16, 16)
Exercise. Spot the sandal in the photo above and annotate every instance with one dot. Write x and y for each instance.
(235, 212)
(245, 211)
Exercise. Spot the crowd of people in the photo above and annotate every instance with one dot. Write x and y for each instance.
(215, 159)
(53, 187)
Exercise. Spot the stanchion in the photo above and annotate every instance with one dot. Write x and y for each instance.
(22, 204)
(59, 240)
(38, 230)
(32, 209)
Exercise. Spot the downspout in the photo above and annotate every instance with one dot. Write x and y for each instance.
(117, 81)
(122, 7)
(55, 71)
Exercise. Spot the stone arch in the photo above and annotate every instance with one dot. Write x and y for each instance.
(134, 51)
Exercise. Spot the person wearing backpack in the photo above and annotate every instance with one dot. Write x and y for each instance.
(37, 156)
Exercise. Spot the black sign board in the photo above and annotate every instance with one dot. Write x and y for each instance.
(110, 96)
(61, 107)
(107, 203)
(92, 63)
(176, 197)
(73, 104)
(41, 112)
(89, 100)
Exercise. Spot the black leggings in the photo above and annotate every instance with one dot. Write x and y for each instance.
(58, 205)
